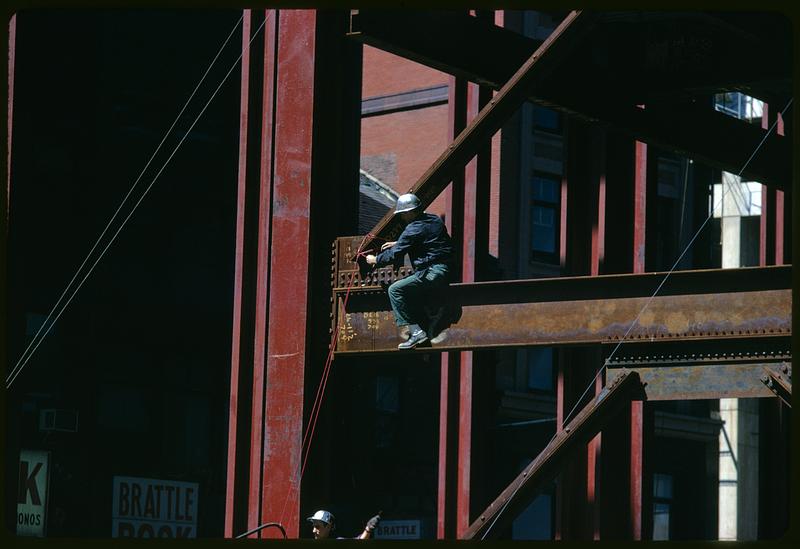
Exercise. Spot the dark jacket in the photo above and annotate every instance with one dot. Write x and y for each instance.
(425, 240)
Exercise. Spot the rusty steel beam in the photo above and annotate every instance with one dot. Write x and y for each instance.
(692, 305)
(706, 381)
(589, 421)
(778, 381)
(368, 323)
(508, 99)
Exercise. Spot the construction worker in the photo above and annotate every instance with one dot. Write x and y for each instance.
(323, 523)
(427, 243)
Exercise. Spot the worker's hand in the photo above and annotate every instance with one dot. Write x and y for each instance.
(372, 523)
(386, 245)
(371, 259)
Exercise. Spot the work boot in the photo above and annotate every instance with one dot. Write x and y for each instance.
(417, 337)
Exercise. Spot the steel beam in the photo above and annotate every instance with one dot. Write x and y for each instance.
(706, 381)
(291, 216)
(692, 305)
(588, 422)
(538, 67)
(779, 381)
(12, 43)
(245, 418)
(449, 395)
(438, 42)
(712, 138)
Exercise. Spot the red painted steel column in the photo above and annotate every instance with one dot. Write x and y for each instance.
(598, 189)
(287, 338)
(233, 415)
(449, 378)
(262, 275)
(245, 392)
(637, 407)
(12, 40)
(780, 212)
(771, 238)
(466, 358)
(766, 236)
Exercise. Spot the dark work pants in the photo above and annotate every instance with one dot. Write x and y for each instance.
(410, 295)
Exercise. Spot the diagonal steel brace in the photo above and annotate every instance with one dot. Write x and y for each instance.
(516, 91)
(589, 421)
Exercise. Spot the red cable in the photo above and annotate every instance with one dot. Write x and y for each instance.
(317, 406)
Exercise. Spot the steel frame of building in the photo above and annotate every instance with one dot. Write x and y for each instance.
(298, 156)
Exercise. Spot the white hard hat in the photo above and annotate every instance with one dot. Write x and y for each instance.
(406, 203)
(322, 516)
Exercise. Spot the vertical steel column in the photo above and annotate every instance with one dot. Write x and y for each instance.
(772, 241)
(468, 269)
(261, 312)
(576, 252)
(781, 209)
(766, 248)
(637, 407)
(246, 398)
(12, 40)
(291, 216)
(598, 237)
(447, 492)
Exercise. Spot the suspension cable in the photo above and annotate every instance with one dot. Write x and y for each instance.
(124, 200)
(10, 379)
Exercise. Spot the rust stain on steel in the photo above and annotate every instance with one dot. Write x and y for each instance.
(703, 382)
(369, 323)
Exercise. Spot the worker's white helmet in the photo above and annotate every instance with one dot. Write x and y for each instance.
(406, 203)
(322, 516)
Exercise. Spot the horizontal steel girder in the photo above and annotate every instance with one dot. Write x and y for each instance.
(589, 421)
(702, 134)
(691, 305)
(707, 381)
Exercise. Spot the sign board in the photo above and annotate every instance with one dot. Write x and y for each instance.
(152, 508)
(32, 492)
(399, 529)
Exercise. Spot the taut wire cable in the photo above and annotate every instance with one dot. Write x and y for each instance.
(18, 369)
(636, 320)
(124, 200)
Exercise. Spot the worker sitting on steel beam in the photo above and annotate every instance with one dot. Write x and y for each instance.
(323, 524)
(427, 243)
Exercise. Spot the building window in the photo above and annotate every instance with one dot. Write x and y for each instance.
(540, 369)
(545, 198)
(546, 119)
(662, 501)
(739, 106)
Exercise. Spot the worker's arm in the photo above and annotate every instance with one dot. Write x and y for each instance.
(393, 251)
(372, 260)
(370, 527)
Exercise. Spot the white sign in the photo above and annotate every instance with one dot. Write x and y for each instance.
(32, 492)
(152, 508)
(399, 529)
